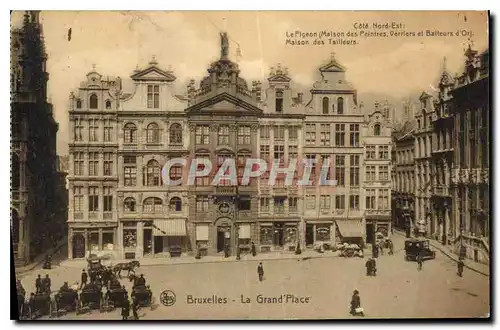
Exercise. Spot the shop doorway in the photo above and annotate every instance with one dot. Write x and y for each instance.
(78, 246)
(309, 235)
(369, 233)
(223, 237)
(148, 241)
(158, 244)
(278, 235)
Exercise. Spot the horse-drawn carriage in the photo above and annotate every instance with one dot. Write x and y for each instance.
(90, 298)
(128, 266)
(143, 295)
(116, 297)
(66, 300)
(40, 305)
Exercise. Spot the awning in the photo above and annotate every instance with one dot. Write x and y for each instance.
(244, 231)
(350, 228)
(170, 227)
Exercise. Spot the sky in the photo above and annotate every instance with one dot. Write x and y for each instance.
(116, 43)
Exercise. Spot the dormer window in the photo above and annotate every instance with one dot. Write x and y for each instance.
(108, 104)
(340, 106)
(279, 101)
(376, 130)
(326, 105)
(153, 96)
(78, 104)
(93, 101)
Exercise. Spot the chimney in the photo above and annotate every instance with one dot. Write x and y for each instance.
(299, 97)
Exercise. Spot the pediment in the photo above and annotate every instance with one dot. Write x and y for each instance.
(279, 78)
(153, 74)
(224, 102)
(333, 66)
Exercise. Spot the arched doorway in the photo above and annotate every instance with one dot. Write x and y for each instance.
(223, 233)
(78, 244)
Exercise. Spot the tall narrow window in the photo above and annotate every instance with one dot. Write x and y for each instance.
(370, 152)
(264, 204)
(202, 203)
(370, 173)
(340, 202)
(339, 135)
(383, 152)
(383, 173)
(376, 130)
(108, 199)
(202, 180)
(78, 198)
(78, 104)
(310, 134)
(152, 173)
(153, 133)
(223, 135)
(340, 169)
(326, 105)
(93, 101)
(264, 132)
(244, 135)
(292, 204)
(279, 101)
(78, 163)
(293, 133)
(79, 126)
(130, 134)
(108, 164)
(370, 199)
(340, 106)
(153, 96)
(279, 133)
(175, 172)
(202, 134)
(93, 130)
(354, 170)
(175, 204)
(354, 202)
(93, 199)
(93, 164)
(264, 152)
(279, 153)
(175, 134)
(108, 130)
(354, 135)
(325, 134)
(130, 171)
(383, 199)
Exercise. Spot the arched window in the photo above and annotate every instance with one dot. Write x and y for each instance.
(175, 204)
(153, 133)
(108, 104)
(93, 101)
(130, 133)
(152, 173)
(129, 204)
(175, 134)
(326, 105)
(152, 205)
(340, 105)
(376, 130)
(78, 104)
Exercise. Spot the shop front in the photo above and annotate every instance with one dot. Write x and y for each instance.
(278, 236)
(97, 240)
(377, 224)
(319, 232)
(169, 235)
(351, 231)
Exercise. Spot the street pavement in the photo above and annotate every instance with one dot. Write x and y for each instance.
(398, 291)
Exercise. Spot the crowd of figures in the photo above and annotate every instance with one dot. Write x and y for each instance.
(99, 288)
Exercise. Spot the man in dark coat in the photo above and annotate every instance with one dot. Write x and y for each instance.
(374, 250)
(38, 284)
(355, 302)
(254, 250)
(141, 280)
(84, 279)
(135, 307)
(368, 266)
(373, 266)
(391, 247)
(126, 310)
(460, 266)
(46, 284)
(260, 271)
(420, 261)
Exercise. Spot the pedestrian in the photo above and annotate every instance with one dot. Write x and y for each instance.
(391, 248)
(368, 266)
(374, 267)
(46, 283)
(260, 271)
(381, 247)
(38, 284)
(420, 262)
(356, 304)
(126, 310)
(135, 307)
(460, 266)
(375, 250)
(254, 250)
(84, 279)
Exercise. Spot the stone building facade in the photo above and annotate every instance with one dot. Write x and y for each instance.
(120, 205)
(36, 199)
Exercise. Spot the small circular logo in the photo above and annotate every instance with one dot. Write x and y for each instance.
(167, 298)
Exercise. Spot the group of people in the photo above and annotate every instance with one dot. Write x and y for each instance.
(378, 248)
(42, 285)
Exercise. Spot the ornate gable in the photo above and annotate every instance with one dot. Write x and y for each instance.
(153, 73)
(332, 66)
(279, 75)
(224, 102)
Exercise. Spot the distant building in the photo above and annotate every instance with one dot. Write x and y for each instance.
(34, 175)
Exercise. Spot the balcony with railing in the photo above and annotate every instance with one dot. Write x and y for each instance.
(225, 190)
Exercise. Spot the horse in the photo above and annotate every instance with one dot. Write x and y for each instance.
(128, 266)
